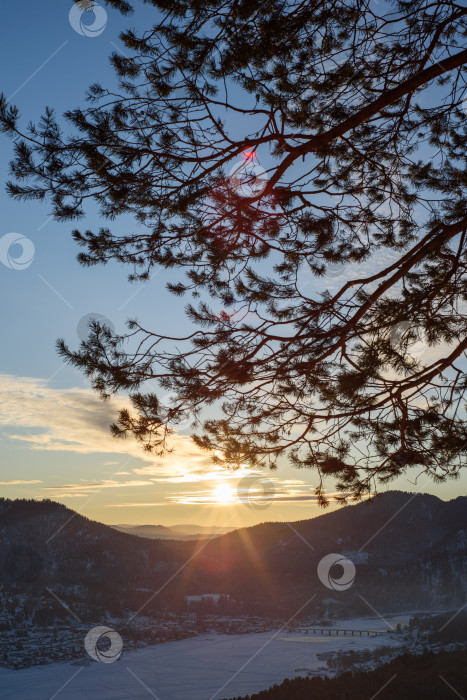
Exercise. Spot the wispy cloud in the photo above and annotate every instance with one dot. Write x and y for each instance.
(97, 486)
(70, 420)
(267, 489)
(15, 482)
(67, 495)
(76, 420)
(200, 470)
(135, 505)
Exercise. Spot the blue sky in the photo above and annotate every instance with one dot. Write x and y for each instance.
(55, 435)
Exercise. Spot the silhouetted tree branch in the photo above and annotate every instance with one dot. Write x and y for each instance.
(359, 121)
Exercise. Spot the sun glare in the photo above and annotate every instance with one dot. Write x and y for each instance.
(224, 494)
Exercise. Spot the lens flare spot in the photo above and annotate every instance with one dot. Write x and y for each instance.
(224, 494)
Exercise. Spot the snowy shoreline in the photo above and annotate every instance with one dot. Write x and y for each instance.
(207, 667)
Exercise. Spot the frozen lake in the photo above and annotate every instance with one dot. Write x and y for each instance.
(209, 667)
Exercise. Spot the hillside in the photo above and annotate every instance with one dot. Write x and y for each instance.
(410, 552)
(406, 678)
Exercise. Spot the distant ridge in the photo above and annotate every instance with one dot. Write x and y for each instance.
(173, 532)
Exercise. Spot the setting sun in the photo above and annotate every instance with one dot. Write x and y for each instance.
(224, 494)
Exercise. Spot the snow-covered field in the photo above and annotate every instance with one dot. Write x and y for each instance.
(209, 667)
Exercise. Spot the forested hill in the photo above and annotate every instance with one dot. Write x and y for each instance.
(426, 677)
(410, 552)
